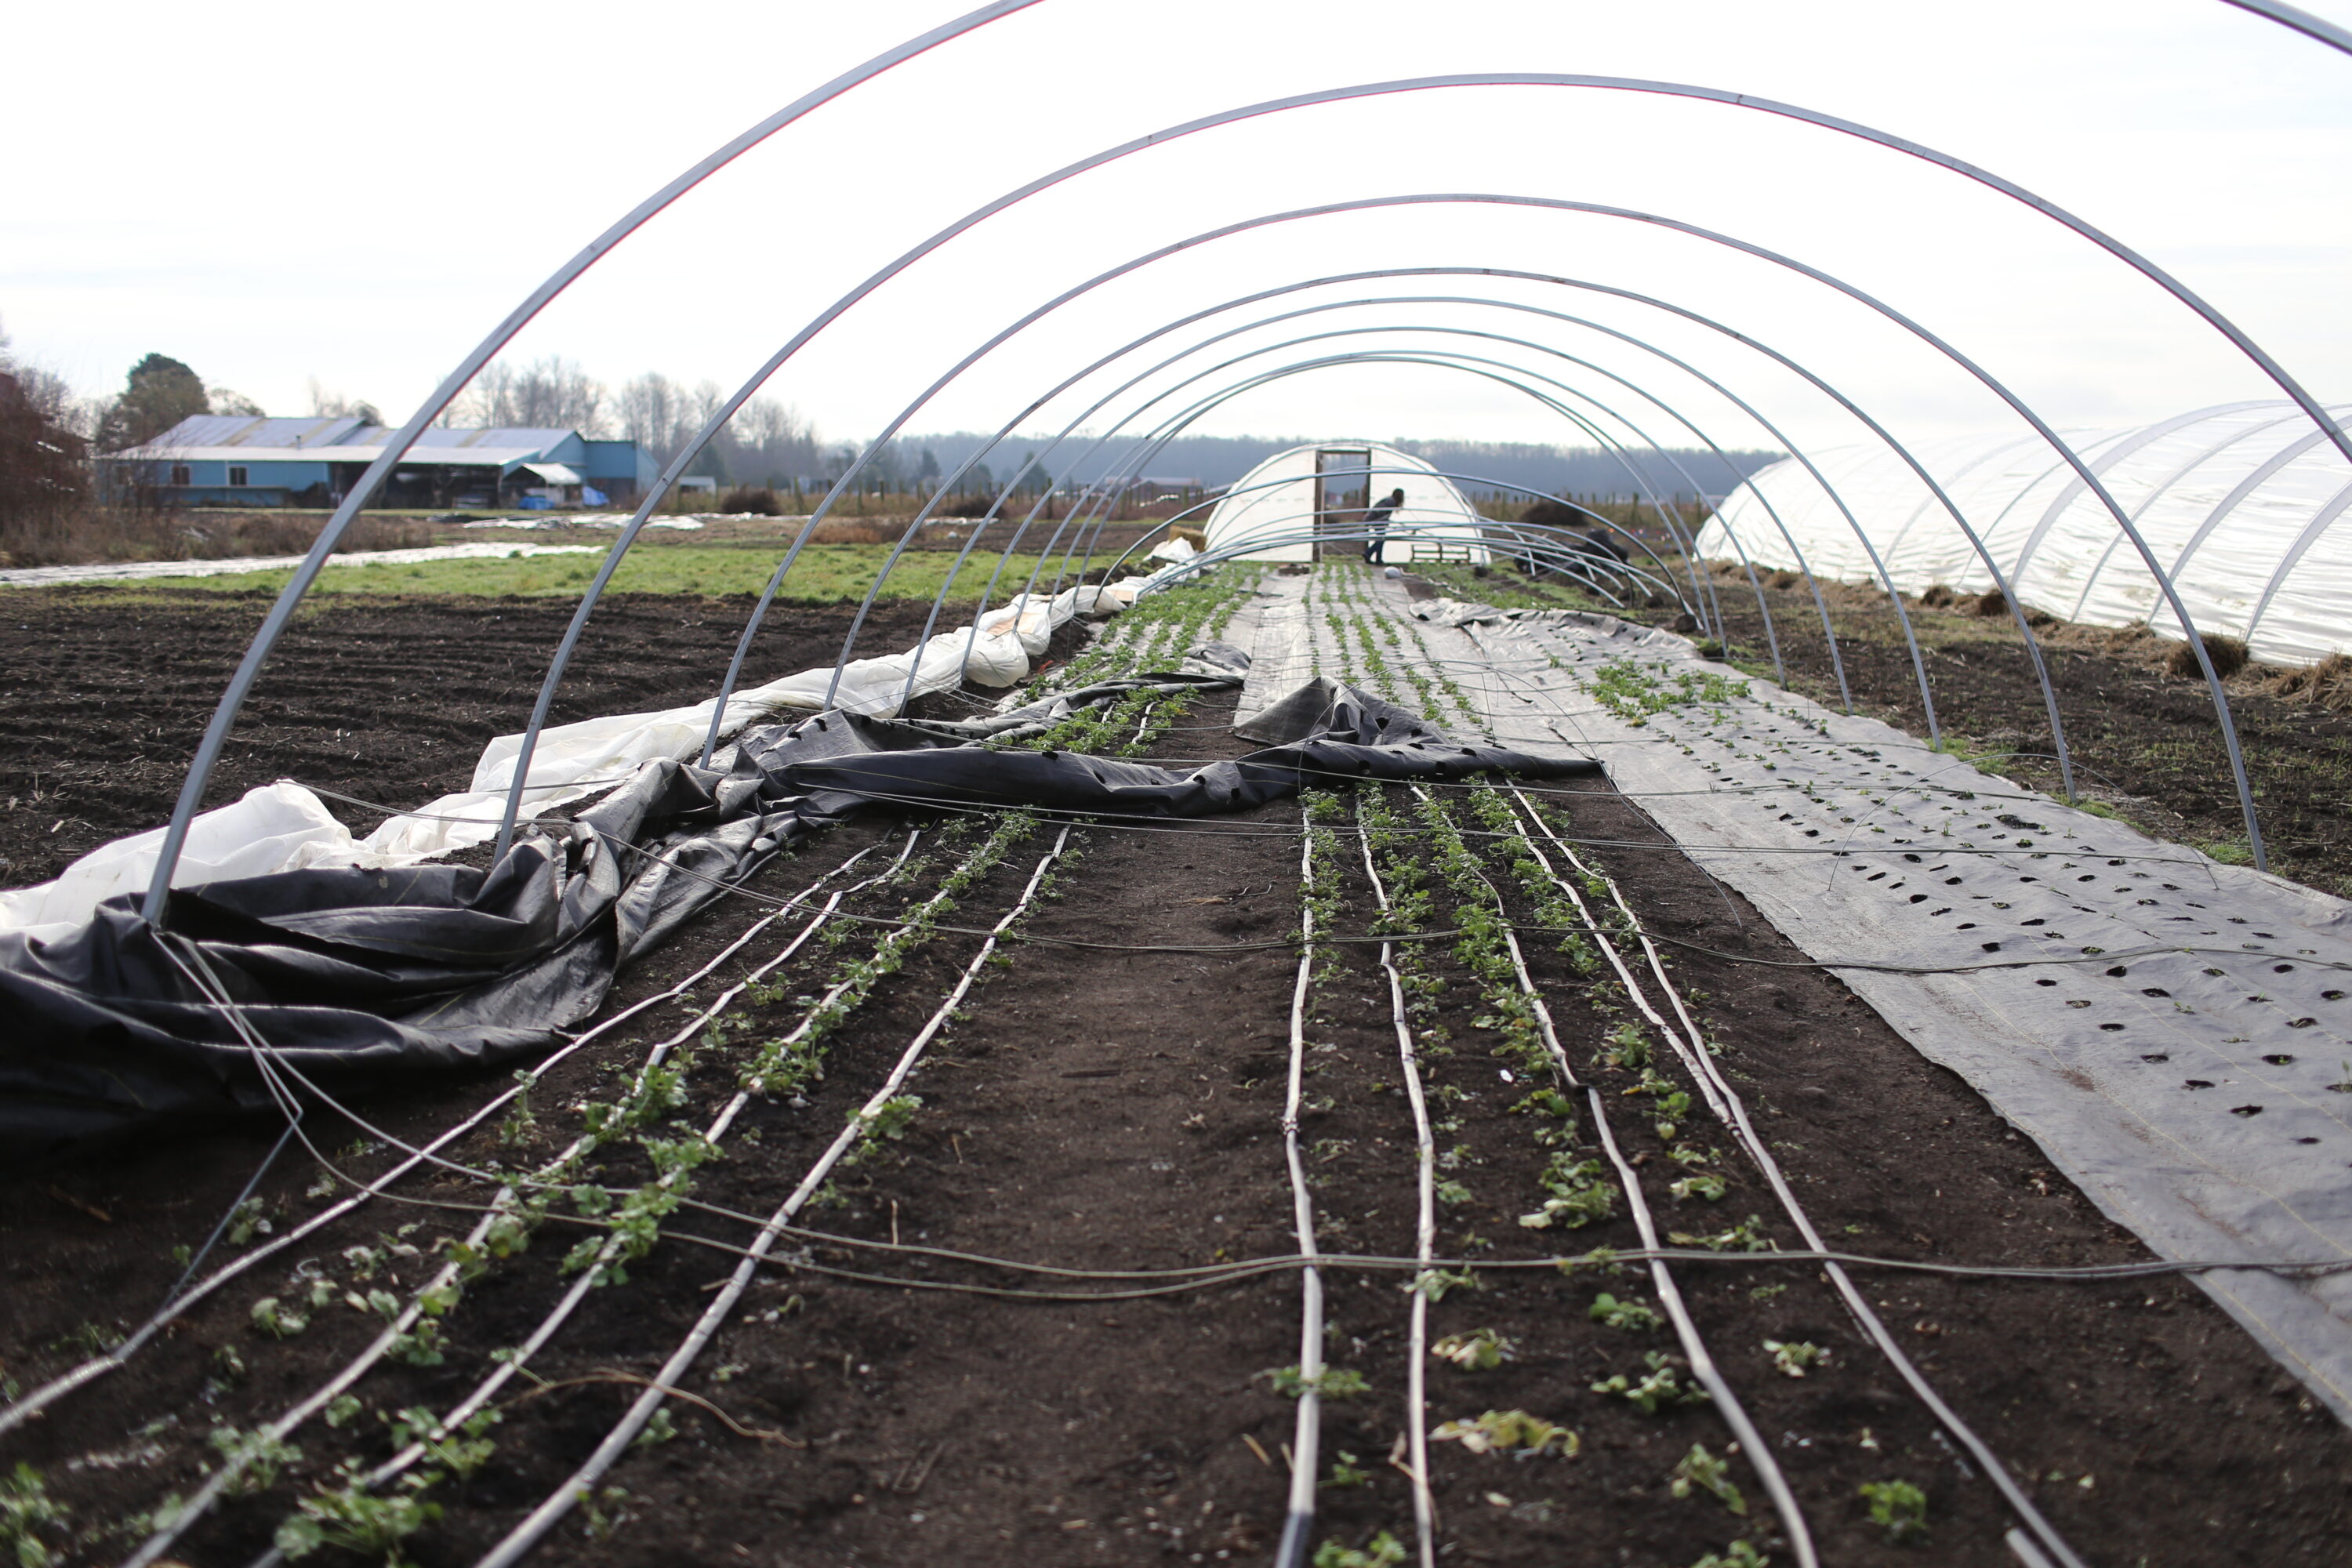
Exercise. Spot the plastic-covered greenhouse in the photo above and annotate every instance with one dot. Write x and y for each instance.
(2238, 501)
(1328, 488)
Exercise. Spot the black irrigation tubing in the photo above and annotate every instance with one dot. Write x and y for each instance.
(270, 1062)
(2103, 955)
(39, 1399)
(2088, 1273)
(518, 1541)
(1690, 1045)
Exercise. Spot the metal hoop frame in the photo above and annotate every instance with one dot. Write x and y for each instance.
(231, 700)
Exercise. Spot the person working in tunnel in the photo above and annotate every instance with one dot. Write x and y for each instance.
(1376, 521)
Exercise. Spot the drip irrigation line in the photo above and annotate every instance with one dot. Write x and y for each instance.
(1732, 1112)
(1298, 1517)
(39, 1399)
(270, 1062)
(524, 1536)
(1599, 1258)
(2104, 955)
(1424, 1152)
(514, 1364)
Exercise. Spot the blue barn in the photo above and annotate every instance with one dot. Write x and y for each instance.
(213, 459)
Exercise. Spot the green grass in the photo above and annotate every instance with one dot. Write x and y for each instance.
(822, 572)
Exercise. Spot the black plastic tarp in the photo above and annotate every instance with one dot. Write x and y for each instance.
(352, 975)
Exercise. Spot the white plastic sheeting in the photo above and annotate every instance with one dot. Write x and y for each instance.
(110, 571)
(1435, 522)
(2241, 504)
(283, 826)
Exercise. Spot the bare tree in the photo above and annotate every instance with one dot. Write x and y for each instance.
(326, 405)
(550, 394)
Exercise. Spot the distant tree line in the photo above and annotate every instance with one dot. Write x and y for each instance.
(47, 435)
(1554, 470)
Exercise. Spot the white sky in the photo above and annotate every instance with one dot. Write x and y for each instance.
(279, 191)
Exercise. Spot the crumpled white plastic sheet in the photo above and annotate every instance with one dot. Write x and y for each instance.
(283, 826)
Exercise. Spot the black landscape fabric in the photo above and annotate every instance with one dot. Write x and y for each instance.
(346, 976)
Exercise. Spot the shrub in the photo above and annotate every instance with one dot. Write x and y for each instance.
(1937, 596)
(757, 500)
(1989, 604)
(2228, 653)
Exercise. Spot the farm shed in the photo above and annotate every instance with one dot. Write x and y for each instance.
(2238, 502)
(238, 460)
(1297, 499)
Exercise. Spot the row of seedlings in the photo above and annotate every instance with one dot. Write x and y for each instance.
(881, 1118)
(218, 1305)
(254, 1227)
(1574, 1177)
(1638, 695)
(638, 1131)
(1172, 623)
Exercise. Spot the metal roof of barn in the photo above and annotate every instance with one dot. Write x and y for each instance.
(210, 438)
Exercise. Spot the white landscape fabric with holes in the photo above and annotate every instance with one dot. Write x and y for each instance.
(283, 826)
(2194, 1108)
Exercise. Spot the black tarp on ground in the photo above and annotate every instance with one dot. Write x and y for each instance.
(349, 975)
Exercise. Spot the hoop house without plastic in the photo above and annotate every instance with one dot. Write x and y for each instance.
(1323, 488)
(2241, 502)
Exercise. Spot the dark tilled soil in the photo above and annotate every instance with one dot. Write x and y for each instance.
(1101, 1108)
(104, 694)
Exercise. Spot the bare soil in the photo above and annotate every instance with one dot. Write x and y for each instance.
(104, 694)
(1116, 1109)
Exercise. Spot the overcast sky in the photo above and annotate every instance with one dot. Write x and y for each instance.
(276, 191)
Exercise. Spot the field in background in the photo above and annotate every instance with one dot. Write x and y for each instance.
(822, 572)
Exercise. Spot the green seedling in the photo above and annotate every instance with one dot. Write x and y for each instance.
(1689, 1158)
(90, 1338)
(1898, 1508)
(1662, 1388)
(321, 1189)
(1746, 1237)
(344, 1406)
(1580, 1194)
(1435, 1283)
(1627, 1047)
(1699, 1470)
(422, 1345)
(1512, 1432)
(519, 1126)
(1481, 1349)
(254, 1458)
(247, 1220)
(1451, 1193)
(1792, 1358)
(25, 1510)
(462, 1452)
(1628, 1313)
(276, 1321)
(1699, 1185)
(660, 1429)
(1739, 1554)
(353, 1519)
(1384, 1551)
(1331, 1382)
(1346, 1472)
